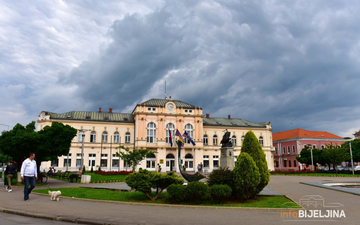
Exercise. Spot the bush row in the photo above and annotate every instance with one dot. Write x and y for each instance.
(198, 192)
(113, 172)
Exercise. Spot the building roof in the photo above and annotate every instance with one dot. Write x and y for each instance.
(232, 122)
(301, 133)
(93, 116)
(162, 102)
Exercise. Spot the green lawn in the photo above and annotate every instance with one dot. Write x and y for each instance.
(102, 194)
(316, 174)
(98, 177)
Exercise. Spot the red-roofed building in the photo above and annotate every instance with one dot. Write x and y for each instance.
(288, 145)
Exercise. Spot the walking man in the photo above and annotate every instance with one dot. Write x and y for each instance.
(10, 173)
(28, 175)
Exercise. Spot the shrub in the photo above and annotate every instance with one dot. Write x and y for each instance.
(251, 145)
(92, 170)
(144, 180)
(219, 192)
(246, 176)
(197, 192)
(83, 170)
(176, 193)
(221, 176)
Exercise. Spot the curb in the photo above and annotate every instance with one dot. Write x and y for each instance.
(55, 218)
(176, 205)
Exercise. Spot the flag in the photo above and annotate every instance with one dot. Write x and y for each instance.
(170, 138)
(177, 133)
(189, 138)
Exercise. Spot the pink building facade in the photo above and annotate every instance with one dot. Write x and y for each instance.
(288, 145)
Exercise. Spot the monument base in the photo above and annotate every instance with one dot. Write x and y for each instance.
(227, 157)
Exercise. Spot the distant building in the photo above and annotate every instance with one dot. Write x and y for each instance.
(288, 145)
(148, 127)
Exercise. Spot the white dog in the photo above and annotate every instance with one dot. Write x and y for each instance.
(54, 195)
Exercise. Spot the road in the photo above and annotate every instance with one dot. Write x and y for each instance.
(11, 219)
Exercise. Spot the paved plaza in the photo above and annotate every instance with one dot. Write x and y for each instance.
(99, 212)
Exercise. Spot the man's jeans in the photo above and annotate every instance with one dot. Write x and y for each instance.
(28, 190)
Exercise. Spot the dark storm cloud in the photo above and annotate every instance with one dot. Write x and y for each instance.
(292, 63)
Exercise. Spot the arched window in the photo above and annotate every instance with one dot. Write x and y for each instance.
(261, 140)
(233, 140)
(127, 137)
(293, 147)
(150, 161)
(170, 127)
(242, 140)
(80, 136)
(189, 161)
(93, 136)
(215, 140)
(189, 131)
(151, 133)
(205, 139)
(288, 149)
(104, 137)
(116, 137)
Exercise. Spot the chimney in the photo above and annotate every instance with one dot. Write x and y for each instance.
(110, 110)
(207, 115)
(99, 109)
(229, 116)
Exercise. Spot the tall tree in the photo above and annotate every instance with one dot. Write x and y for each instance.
(47, 144)
(305, 156)
(355, 146)
(252, 146)
(335, 155)
(19, 142)
(133, 157)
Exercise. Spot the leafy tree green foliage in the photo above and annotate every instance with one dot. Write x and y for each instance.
(335, 155)
(92, 170)
(145, 180)
(246, 176)
(220, 192)
(355, 146)
(83, 169)
(305, 156)
(197, 192)
(134, 157)
(176, 193)
(252, 146)
(47, 144)
(221, 176)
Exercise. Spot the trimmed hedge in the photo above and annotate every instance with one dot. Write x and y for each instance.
(176, 193)
(197, 192)
(219, 193)
(221, 176)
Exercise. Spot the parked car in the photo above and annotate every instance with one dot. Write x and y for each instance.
(357, 168)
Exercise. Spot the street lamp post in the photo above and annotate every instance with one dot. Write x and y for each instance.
(82, 147)
(352, 161)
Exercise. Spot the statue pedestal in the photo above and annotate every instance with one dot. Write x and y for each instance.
(227, 157)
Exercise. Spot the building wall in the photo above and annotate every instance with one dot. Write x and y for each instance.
(160, 116)
(281, 159)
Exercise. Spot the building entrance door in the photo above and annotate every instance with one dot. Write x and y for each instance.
(170, 162)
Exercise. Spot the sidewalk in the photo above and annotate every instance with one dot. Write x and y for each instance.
(101, 212)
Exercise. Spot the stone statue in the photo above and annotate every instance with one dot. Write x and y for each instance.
(226, 140)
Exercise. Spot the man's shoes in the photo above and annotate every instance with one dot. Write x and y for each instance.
(10, 190)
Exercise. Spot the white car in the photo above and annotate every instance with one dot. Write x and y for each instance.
(357, 168)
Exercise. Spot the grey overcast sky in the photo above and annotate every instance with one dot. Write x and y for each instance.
(293, 63)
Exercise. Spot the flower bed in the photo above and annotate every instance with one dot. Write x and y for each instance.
(113, 172)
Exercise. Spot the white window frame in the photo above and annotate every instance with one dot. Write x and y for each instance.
(288, 149)
(261, 140)
(189, 131)
(293, 148)
(233, 140)
(205, 139)
(93, 137)
(215, 139)
(151, 133)
(172, 131)
(116, 137)
(127, 137)
(80, 135)
(105, 137)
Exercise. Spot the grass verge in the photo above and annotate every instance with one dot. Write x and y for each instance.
(98, 178)
(102, 194)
